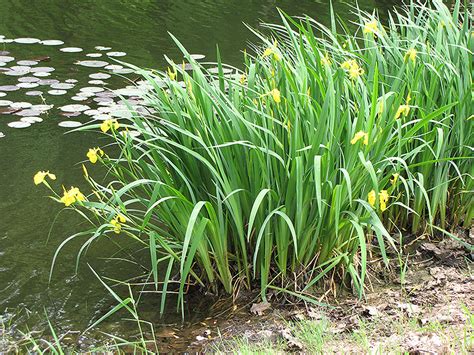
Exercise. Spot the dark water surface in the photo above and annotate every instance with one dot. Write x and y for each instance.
(139, 28)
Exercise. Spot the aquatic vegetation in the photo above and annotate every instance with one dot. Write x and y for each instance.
(317, 158)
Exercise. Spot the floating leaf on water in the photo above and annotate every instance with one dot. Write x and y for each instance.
(101, 117)
(70, 81)
(27, 85)
(2, 64)
(42, 108)
(74, 108)
(8, 110)
(9, 88)
(42, 58)
(94, 55)
(102, 48)
(21, 105)
(85, 94)
(34, 93)
(31, 119)
(79, 98)
(100, 76)
(69, 124)
(71, 49)
(96, 82)
(48, 81)
(2, 135)
(19, 124)
(57, 92)
(114, 67)
(5, 40)
(91, 112)
(4, 52)
(27, 62)
(5, 102)
(215, 70)
(42, 69)
(42, 74)
(116, 54)
(52, 42)
(62, 86)
(197, 56)
(92, 63)
(133, 91)
(103, 99)
(26, 40)
(123, 71)
(28, 79)
(29, 112)
(71, 114)
(18, 71)
(2, 94)
(92, 89)
(6, 58)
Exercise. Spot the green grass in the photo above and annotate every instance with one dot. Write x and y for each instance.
(256, 175)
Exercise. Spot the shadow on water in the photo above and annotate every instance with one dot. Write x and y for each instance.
(139, 28)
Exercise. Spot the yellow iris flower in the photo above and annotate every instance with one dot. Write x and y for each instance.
(411, 54)
(172, 74)
(94, 153)
(40, 177)
(109, 124)
(117, 222)
(271, 50)
(353, 68)
(383, 199)
(243, 77)
(358, 136)
(402, 109)
(393, 181)
(371, 27)
(276, 95)
(371, 198)
(72, 195)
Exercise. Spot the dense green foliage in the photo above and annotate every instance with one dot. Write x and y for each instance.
(329, 144)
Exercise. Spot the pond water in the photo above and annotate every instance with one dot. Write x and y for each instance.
(139, 29)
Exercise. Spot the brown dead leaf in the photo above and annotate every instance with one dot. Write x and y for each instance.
(260, 308)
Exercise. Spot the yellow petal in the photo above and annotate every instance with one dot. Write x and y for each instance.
(39, 177)
(105, 126)
(371, 198)
(276, 95)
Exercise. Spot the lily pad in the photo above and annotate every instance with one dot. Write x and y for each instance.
(29, 112)
(28, 79)
(34, 93)
(9, 88)
(101, 76)
(102, 48)
(42, 70)
(26, 40)
(62, 86)
(48, 81)
(94, 55)
(57, 92)
(19, 124)
(27, 62)
(74, 108)
(20, 105)
(114, 67)
(116, 54)
(123, 71)
(6, 58)
(70, 81)
(69, 124)
(71, 49)
(79, 98)
(18, 71)
(197, 56)
(92, 63)
(96, 82)
(31, 119)
(52, 42)
(2, 94)
(27, 85)
(5, 103)
(93, 89)
(42, 74)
